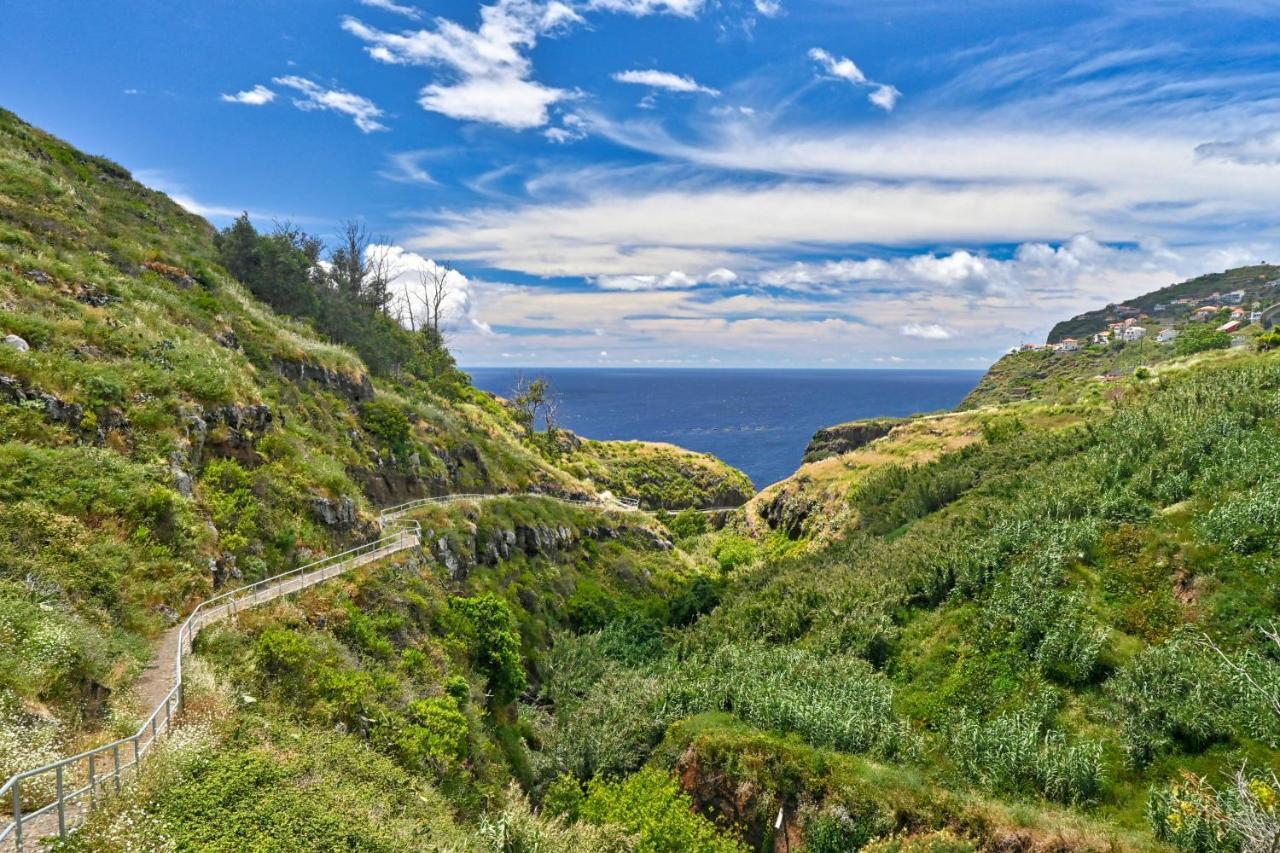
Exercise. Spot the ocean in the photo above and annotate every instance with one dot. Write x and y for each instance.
(756, 420)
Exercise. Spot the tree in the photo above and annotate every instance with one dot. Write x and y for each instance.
(361, 267)
(436, 290)
(528, 399)
(1200, 338)
(495, 644)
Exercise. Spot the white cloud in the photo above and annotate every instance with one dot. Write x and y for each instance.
(405, 167)
(493, 73)
(674, 280)
(133, 91)
(721, 276)
(640, 8)
(364, 112)
(572, 128)
(507, 101)
(769, 8)
(663, 80)
(393, 7)
(885, 97)
(929, 332)
(255, 97)
(843, 68)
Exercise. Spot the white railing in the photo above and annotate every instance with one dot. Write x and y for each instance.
(80, 780)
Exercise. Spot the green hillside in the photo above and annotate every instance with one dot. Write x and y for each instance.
(1035, 623)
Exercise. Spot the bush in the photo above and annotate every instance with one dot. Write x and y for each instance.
(732, 551)
(685, 524)
(650, 805)
(436, 735)
(1199, 338)
(389, 423)
(495, 644)
(1174, 694)
(1009, 755)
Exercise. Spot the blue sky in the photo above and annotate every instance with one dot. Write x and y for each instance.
(703, 182)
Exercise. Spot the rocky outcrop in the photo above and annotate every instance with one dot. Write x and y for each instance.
(389, 483)
(340, 514)
(460, 553)
(357, 389)
(230, 432)
(845, 438)
(87, 426)
(790, 508)
(16, 343)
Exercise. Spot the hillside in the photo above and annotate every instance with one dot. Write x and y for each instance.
(164, 435)
(1246, 286)
(1035, 623)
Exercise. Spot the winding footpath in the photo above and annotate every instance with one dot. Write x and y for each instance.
(68, 788)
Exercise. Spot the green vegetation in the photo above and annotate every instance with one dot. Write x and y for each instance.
(1200, 338)
(1038, 623)
(660, 476)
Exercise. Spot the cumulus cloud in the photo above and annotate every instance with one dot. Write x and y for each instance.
(769, 8)
(406, 285)
(364, 112)
(492, 71)
(843, 68)
(664, 80)
(928, 332)
(673, 280)
(393, 7)
(255, 97)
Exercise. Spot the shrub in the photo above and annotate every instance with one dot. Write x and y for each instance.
(495, 644)
(1173, 694)
(1247, 522)
(388, 422)
(563, 797)
(685, 524)
(1199, 338)
(1009, 755)
(732, 551)
(651, 805)
(1194, 816)
(436, 735)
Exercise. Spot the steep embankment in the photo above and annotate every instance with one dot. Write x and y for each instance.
(163, 433)
(660, 476)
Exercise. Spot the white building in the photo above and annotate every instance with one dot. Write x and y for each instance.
(1067, 345)
(1166, 335)
(1134, 333)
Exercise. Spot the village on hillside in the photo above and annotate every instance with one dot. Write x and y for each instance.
(1235, 317)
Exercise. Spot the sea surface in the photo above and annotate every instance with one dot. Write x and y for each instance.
(756, 420)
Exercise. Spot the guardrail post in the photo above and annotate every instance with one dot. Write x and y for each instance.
(115, 754)
(137, 756)
(93, 782)
(62, 804)
(17, 814)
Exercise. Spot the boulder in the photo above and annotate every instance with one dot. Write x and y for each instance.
(340, 513)
(15, 342)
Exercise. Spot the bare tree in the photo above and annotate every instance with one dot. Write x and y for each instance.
(436, 289)
(362, 266)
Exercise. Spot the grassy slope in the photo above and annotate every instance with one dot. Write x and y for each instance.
(661, 476)
(100, 547)
(1255, 281)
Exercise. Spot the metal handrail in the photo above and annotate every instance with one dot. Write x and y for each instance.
(404, 535)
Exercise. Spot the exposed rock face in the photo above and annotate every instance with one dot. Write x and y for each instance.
(390, 484)
(790, 509)
(844, 438)
(340, 514)
(357, 389)
(39, 276)
(459, 554)
(228, 431)
(70, 415)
